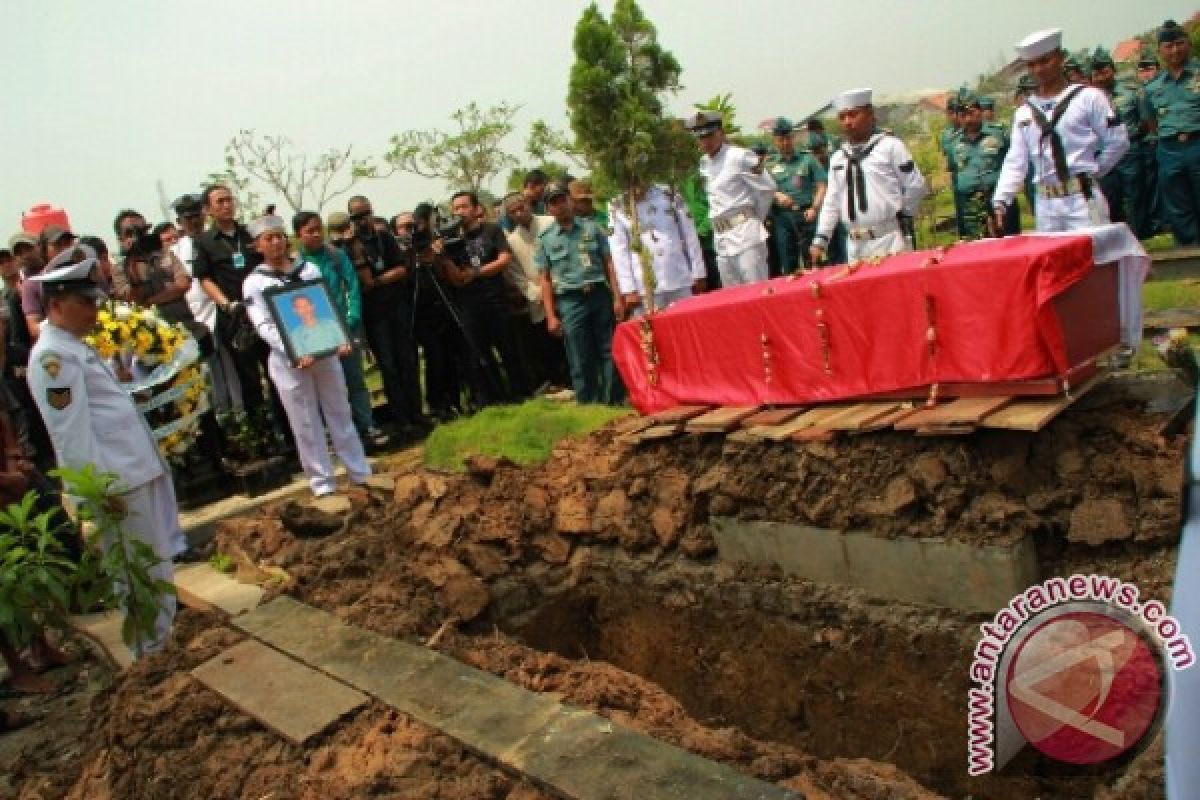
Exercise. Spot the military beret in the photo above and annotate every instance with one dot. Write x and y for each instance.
(1170, 32)
(782, 127)
(1102, 58)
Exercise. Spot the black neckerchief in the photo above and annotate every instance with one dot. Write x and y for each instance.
(1048, 126)
(856, 182)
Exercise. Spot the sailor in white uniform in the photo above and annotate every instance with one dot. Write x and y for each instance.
(668, 235)
(739, 198)
(311, 389)
(874, 185)
(1071, 134)
(92, 419)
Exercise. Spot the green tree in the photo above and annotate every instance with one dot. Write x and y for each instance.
(723, 105)
(616, 105)
(470, 157)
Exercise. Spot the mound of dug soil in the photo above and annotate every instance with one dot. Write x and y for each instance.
(592, 577)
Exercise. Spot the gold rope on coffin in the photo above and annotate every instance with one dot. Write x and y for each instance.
(649, 350)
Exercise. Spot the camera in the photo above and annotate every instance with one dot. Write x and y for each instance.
(144, 244)
(451, 231)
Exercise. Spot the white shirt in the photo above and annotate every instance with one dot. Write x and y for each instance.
(260, 279)
(522, 272)
(894, 184)
(1089, 125)
(734, 186)
(90, 417)
(669, 236)
(203, 309)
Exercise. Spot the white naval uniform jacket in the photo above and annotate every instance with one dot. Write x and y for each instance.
(90, 417)
(668, 234)
(1088, 125)
(893, 184)
(733, 186)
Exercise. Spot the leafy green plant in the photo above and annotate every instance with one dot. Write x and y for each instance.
(247, 437)
(36, 579)
(124, 562)
(221, 562)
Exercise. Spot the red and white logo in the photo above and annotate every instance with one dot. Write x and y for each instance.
(1084, 687)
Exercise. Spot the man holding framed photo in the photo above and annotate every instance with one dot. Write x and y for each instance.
(302, 342)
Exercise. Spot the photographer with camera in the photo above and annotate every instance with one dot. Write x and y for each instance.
(481, 255)
(434, 327)
(383, 270)
(152, 275)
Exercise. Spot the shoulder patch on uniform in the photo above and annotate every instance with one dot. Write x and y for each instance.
(52, 364)
(58, 398)
(907, 167)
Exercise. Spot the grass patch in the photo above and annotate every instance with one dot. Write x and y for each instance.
(525, 434)
(1159, 295)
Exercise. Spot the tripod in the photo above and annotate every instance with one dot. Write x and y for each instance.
(480, 360)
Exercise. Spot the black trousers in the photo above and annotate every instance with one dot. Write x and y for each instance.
(487, 319)
(440, 342)
(389, 333)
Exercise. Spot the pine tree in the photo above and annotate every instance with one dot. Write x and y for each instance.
(616, 106)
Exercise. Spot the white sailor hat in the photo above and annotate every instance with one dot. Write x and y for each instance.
(270, 222)
(703, 123)
(75, 270)
(852, 98)
(1038, 44)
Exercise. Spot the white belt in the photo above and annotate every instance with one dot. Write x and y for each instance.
(874, 232)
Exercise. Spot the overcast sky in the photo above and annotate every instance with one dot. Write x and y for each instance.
(104, 98)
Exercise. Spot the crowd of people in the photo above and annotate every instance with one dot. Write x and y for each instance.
(482, 305)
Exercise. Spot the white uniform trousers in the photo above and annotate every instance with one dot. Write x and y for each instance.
(153, 518)
(1071, 213)
(880, 246)
(748, 266)
(663, 300)
(307, 394)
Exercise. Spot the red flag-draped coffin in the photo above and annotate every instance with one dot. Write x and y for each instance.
(1012, 309)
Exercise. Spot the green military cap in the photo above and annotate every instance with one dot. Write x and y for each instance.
(782, 127)
(987, 104)
(1170, 31)
(1147, 59)
(967, 99)
(1102, 58)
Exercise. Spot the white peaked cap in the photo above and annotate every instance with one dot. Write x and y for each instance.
(852, 98)
(1038, 44)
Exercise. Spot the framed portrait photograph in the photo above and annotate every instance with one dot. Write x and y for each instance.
(307, 319)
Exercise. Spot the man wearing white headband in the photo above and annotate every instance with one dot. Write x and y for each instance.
(312, 389)
(1072, 136)
(873, 184)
